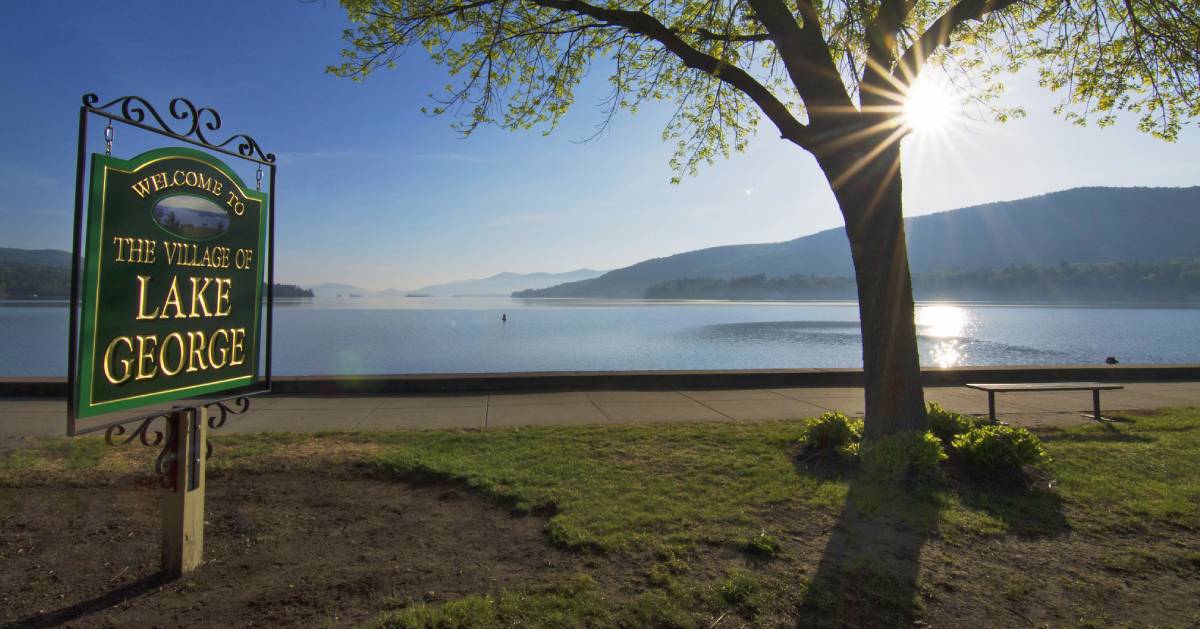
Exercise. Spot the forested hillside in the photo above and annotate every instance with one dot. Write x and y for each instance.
(1081, 225)
(1176, 281)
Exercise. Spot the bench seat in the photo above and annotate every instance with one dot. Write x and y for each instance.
(1017, 387)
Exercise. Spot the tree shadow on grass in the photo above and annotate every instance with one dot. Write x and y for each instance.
(867, 576)
(868, 573)
(98, 604)
(1111, 434)
(1028, 509)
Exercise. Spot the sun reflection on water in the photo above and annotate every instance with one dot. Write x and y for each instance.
(946, 328)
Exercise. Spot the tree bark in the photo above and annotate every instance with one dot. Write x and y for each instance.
(866, 183)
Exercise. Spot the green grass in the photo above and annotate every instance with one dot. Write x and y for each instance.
(571, 602)
(704, 520)
(1128, 475)
(69, 456)
(641, 488)
(615, 488)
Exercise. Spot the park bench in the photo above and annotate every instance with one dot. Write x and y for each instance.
(1094, 387)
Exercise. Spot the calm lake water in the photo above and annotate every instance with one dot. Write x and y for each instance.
(426, 335)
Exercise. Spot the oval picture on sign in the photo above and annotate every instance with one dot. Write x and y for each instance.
(189, 216)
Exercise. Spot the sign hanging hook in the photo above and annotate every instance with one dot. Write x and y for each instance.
(258, 178)
(108, 137)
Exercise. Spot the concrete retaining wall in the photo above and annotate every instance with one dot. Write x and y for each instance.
(656, 380)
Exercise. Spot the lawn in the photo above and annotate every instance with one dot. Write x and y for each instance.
(717, 525)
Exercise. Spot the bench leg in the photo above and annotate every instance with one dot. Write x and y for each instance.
(1096, 405)
(992, 406)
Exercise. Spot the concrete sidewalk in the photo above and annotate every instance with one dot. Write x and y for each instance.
(495, 411)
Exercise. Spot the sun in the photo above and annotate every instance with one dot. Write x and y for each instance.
(930, 106)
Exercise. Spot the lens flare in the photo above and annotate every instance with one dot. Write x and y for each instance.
(930, 106)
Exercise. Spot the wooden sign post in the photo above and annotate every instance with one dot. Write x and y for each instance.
(183, 505)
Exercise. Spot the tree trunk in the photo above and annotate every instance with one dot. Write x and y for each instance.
(866, 183)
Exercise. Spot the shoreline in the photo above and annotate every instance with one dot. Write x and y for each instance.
(55, 387)
(632, 301)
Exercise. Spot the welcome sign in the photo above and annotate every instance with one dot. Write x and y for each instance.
(173, 281)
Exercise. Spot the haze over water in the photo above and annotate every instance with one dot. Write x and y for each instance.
(463, 335)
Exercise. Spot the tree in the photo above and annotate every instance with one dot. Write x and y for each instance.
(830, 75)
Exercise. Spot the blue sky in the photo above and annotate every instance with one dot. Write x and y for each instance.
(373, 192)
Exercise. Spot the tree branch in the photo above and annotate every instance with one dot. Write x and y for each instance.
(806, 57)
(939, 31)
(876, 87)
(648, 26)
(881, 32)
(707, 35)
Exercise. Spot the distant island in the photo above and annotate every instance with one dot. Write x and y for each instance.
(291, 291)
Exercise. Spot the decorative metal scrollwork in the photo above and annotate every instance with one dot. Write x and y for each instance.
(135, 109)
(164, 438)
(216, 420)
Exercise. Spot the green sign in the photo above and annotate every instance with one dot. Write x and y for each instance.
(173, 281)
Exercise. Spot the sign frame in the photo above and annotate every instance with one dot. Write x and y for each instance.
(136, 112)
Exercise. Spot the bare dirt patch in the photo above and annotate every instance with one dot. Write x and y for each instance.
(281, 548)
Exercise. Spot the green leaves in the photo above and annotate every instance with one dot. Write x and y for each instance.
(517, 63)
(1109, 56)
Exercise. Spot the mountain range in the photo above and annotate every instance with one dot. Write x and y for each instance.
(54, 258)
(499, 284)
(1081, 225)
(507, 283)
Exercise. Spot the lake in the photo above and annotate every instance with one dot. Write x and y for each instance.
(432, 335)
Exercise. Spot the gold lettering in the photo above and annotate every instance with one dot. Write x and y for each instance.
(238, 207)
(236, 346)
(162, 355)
(135, 249)
(142, 315)
(143, 354)
(198, 295)
(142, 188)
(212, 344)
(196, 352)
(224, 284)
(216, 188)
(178, 178)
(160, 181)
(125, 362)
(243, 258)
(173, 300)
